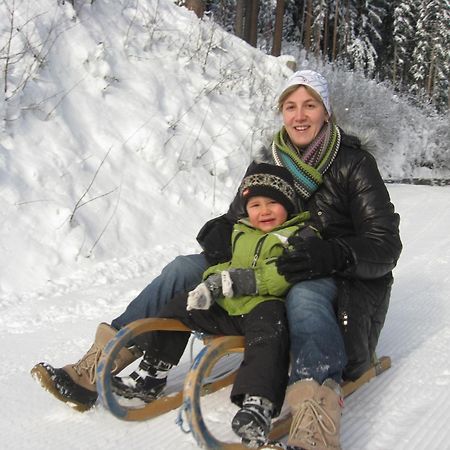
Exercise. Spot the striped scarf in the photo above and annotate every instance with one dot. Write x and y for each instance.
(307, 165)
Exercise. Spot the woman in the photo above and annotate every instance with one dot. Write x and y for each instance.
(346, 275)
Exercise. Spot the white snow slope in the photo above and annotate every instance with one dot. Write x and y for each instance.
(122, 134)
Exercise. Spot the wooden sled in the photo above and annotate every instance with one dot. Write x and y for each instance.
(215, 349)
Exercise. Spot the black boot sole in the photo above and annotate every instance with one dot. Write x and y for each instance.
(60, 385)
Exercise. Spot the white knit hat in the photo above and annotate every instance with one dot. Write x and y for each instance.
(312, 79)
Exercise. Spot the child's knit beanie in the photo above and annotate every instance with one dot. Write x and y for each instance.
(271, 181)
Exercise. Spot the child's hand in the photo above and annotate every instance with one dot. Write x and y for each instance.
(199, 298)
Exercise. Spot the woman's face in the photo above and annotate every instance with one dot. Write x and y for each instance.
(303, 116)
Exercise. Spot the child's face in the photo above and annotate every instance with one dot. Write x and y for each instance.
(265, 213)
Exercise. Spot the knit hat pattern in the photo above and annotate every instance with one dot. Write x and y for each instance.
(271, 181)
(315, 81)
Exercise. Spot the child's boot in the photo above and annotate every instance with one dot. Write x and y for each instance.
(146, 383)
(316, 414)
(75, 384)
(253, 421)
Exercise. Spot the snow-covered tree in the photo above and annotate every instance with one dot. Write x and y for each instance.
(364, 19)
(404, 14)
(430, 69)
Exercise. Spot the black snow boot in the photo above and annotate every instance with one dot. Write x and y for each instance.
(146, 383)
(253, 421)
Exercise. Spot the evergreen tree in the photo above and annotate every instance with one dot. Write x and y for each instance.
(319, 28)
(364, 39)
(293, 20)
(437, 84)
(223, 12)
(430, 69)
(404, 14)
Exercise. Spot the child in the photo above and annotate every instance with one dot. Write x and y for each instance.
(240, 297)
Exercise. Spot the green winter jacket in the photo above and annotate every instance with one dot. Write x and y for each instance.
(255, 249)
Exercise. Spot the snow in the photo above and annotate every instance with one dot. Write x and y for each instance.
(122, 134)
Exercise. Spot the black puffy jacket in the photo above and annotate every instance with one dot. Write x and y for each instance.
(353, 206)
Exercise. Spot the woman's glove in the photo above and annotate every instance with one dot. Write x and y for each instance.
(203, 296)
(305, 259)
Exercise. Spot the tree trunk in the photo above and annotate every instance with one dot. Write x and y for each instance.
(253, 29)
(317, 35)
(308, 31)
(429, 85)
(335, 31)
(240, 15)
(347, 26)
(198, 6)
(325, 36)
(394, 68)
(247, 20)
(278, 31)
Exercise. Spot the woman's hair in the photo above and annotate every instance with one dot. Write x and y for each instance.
(287, 92)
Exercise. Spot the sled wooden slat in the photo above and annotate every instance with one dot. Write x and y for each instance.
(203, 365)
(159, 406)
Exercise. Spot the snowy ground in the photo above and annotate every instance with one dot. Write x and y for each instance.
(125, 125)
(406, 408)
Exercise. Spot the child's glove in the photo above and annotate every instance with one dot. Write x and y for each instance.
(238, 282)
(199, 298)
(203, 296)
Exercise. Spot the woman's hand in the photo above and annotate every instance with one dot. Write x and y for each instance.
(305, 259)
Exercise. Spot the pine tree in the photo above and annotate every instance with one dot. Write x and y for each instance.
(437, 86)
(404, 14)
(319, 27)
(430, 69)
(364, 39)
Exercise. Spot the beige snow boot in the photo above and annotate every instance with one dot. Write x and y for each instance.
(75, 384)
(316, 414)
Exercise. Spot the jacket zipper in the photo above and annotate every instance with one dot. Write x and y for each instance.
(258, 250)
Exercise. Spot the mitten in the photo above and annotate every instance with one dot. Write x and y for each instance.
(305, 259)
(238, 282)
(203, 296)
(199, 298)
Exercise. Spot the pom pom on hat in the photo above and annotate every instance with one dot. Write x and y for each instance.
(271, 181)
(315, 81)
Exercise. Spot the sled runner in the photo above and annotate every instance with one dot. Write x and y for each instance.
(195, 385)
(163, 404)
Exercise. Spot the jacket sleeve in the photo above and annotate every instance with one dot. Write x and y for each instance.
(217, 268)
(215, 236)
(375, 246)
(269, 281)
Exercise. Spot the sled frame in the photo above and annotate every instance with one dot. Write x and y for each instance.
(161, 405)
(203, 365)
(188, 398)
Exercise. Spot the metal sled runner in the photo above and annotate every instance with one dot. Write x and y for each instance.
(195, 386)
